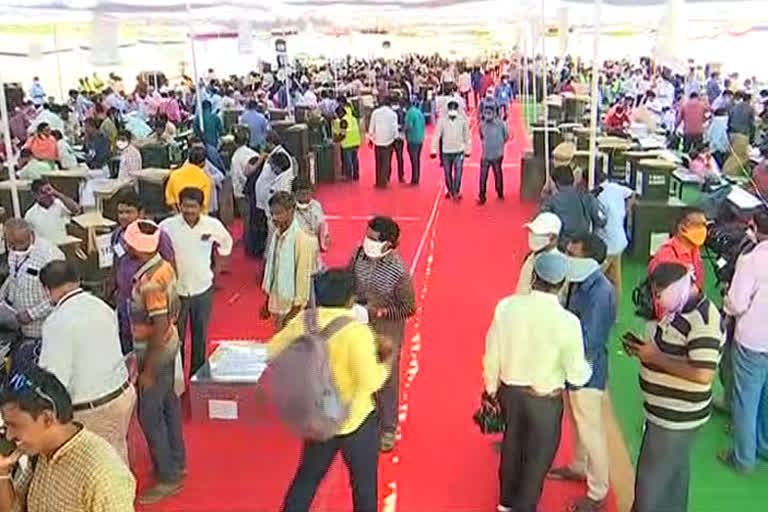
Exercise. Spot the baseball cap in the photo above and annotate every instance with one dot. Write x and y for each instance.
(551, 267)
(546, 223)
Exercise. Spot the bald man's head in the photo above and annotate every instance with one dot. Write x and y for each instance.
(19, 234)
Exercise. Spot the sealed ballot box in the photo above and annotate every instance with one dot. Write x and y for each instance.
(229, 386)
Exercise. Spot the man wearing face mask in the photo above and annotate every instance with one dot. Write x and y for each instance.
(130, 158)
(592, 299)
(384, 285)
(22, 289)
(684, 247)
(679, 363)
(543, 233)
(488, 102)
(533, 348)
(494, 135)
(290, 261)
(456, 137)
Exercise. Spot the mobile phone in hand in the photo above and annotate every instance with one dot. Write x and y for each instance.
(629, 339)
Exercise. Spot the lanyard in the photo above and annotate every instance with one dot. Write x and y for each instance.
(66, 298)
(20, 264)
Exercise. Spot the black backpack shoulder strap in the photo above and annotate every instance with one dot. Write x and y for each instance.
(335, 326)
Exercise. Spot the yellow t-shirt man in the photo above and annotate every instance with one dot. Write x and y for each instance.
(186, 176)
(352, 356)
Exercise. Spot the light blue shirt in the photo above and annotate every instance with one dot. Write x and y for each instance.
(613, 200)
(258, 126)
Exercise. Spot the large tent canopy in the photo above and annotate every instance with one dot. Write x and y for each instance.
(377, 13)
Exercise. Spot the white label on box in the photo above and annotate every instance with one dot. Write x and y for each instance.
(222, 409)
(103, 244)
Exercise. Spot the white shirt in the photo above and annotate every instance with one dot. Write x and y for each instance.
(382, 128)
(49, 223)
(240, 159)
(67, 157)
(193, 246)
(465, 82)
(533, 341)
(81, 346)
(613, 198)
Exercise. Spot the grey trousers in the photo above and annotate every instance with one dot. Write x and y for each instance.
(664, 470)
(388, 397)
(161, 421)
(196, 310)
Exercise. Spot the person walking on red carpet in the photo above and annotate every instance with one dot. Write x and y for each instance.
(494, 134)
(592, 299)
(456, 137)
(533, 348)
(358, 374)
(382, 132)
(385, 287)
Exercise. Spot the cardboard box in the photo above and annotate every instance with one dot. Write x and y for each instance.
(229, 386)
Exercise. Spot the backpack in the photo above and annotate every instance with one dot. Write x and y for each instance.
(302, 384)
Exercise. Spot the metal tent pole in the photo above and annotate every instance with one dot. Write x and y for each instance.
(593, 110)
(546, 107)
(10, 153)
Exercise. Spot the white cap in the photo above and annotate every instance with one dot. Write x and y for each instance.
(545, 224)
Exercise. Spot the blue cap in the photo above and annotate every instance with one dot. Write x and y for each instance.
(551, 267)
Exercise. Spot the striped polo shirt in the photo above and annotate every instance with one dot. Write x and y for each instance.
(695, 335)
(385, 283)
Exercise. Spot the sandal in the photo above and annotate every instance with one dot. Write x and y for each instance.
(387, 442)
(565, 473)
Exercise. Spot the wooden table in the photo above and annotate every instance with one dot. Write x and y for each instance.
(105, 191)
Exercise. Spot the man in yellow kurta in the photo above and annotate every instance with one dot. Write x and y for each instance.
(358, 374)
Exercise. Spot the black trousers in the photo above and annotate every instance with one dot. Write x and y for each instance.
(529, 446)
(360, 451)
(690, 140)
(397, 146)
(414, 153)
(383, 165)
(196, 310)
(498, 177)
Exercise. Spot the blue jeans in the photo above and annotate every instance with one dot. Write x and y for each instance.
(749, 405)
(453, 180)
(350, 166)
(497, 176)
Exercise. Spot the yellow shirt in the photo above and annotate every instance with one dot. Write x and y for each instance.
(188, 175)
(85, 475)
(354, 364)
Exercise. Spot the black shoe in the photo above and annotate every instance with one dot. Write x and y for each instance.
(448, 195)
(402, 179)
(501, 197)
(481, 201)
(457, 196)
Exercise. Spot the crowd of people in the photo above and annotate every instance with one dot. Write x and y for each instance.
(73, 385)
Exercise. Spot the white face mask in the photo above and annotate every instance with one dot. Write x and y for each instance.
(452, 114)
(581, 268)
(22, 254)
(121, 144)
(374, 249)
(302, 206)
(537, 242)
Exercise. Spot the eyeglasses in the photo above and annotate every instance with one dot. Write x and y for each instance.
(20, 381)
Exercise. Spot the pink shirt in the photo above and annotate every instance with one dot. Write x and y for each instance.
(693, 114)
(747, 298)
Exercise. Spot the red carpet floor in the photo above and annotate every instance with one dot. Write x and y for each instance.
(466, 258)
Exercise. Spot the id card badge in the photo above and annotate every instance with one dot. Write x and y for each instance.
(118, 250)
